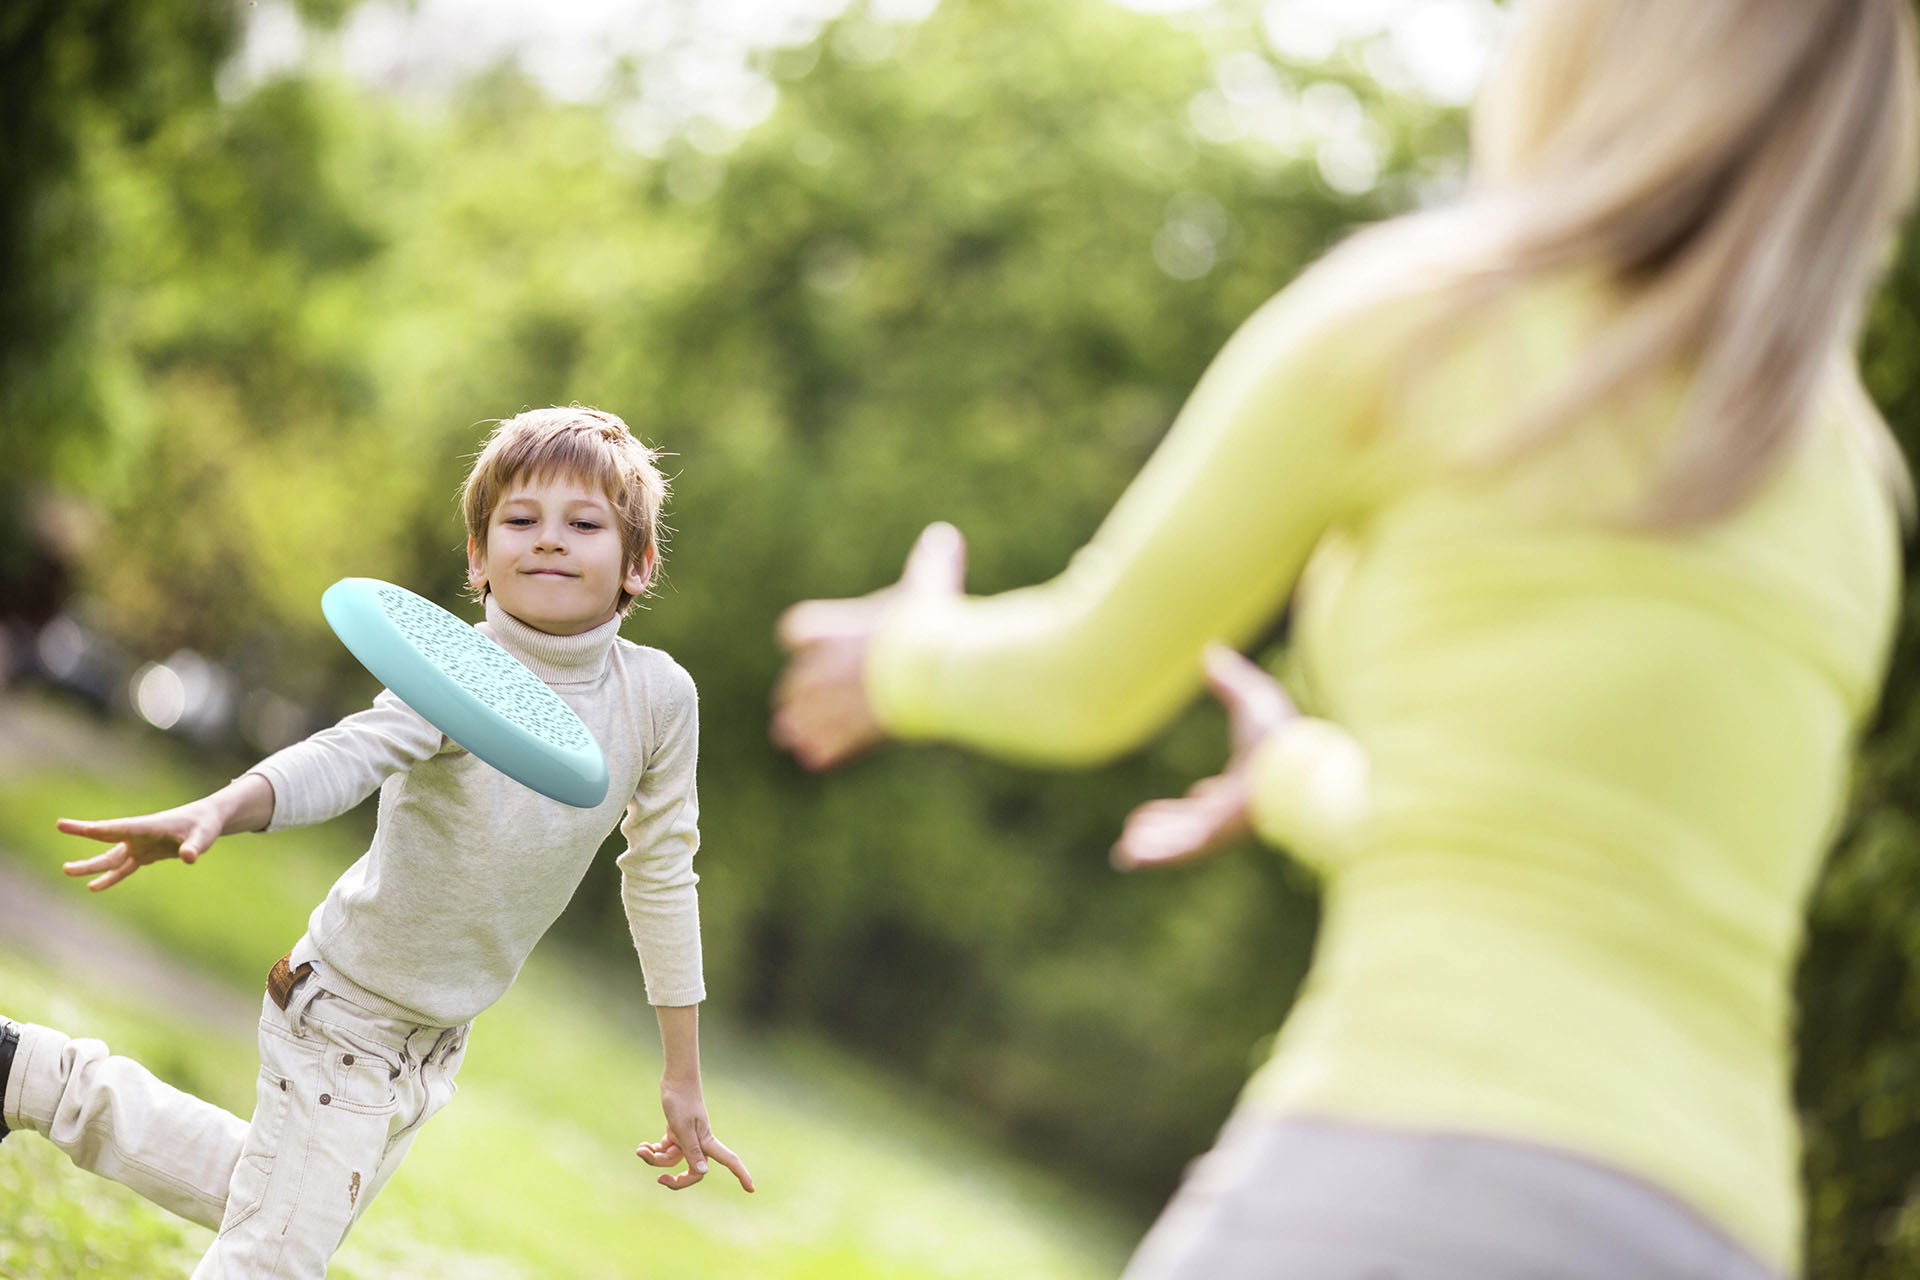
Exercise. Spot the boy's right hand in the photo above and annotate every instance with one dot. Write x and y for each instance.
(245, 804)
(184, 833)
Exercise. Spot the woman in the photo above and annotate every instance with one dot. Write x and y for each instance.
(1593, 543)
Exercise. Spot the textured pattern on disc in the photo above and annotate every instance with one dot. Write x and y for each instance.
(484, 669)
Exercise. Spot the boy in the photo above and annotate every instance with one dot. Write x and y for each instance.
(365, 1021)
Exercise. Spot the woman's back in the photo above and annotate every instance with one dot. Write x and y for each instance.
(1604, 765)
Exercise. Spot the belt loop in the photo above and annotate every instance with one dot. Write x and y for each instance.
(302, 1001)
(416, 1053)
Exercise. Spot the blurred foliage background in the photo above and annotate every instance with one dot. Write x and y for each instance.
(252, 326)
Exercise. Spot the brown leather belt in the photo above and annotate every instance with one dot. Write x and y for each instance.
(282, 976)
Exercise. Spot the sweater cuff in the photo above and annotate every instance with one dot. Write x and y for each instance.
(285, 813)
(1310, 789)
(903, 665)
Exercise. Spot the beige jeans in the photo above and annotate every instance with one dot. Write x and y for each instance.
(342, 1092)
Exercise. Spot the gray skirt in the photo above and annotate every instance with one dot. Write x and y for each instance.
(1312, 1199)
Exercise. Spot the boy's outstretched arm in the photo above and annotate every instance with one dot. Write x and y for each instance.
(186, 832)
(310, 781)
(689, 1136)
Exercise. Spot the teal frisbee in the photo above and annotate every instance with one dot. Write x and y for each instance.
(469, 688)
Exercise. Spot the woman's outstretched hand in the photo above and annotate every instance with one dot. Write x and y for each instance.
(820, 708)
(1213, 813)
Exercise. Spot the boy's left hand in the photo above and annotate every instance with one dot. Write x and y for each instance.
(689, 1138)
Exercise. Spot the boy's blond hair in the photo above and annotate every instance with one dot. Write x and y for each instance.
(589, 445)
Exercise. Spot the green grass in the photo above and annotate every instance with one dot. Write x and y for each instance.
(61, 1222)
(530, 1173)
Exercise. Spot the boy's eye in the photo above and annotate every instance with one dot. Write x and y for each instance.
(519, 520)
(585, 524)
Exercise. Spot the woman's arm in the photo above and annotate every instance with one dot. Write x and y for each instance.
(1297, 782)
(1205, 545)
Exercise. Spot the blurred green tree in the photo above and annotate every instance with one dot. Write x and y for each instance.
(72, 77)
(1859, 985)
(80, 82)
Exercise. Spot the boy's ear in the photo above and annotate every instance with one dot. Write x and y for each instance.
(637, 580)
(476, 566)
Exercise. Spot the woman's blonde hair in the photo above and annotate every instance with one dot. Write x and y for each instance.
(1739, 167)
(589, 445)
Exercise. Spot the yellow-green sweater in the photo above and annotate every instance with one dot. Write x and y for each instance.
(1567, 784)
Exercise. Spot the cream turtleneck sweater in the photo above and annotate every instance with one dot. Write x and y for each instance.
(468, 868)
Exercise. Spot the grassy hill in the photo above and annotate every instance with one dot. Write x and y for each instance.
(530, 1173)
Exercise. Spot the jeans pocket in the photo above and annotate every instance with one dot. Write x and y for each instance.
(357, 1069)
(358, 1079)
(248, 1188)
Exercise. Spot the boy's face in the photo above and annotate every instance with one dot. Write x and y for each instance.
(553, 556)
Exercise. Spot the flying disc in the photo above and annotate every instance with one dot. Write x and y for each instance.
(469, 688)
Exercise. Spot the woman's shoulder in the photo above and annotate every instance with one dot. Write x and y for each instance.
(1403, 292)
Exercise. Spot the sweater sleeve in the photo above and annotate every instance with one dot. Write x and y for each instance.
(1205, 544)
(1311, 791)
(334, 770)
(662, 830)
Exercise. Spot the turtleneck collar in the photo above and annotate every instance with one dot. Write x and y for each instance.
(555, 659)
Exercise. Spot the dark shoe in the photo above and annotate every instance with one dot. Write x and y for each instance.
(9, 1039)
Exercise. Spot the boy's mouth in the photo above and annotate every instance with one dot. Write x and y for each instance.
(549, 573)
